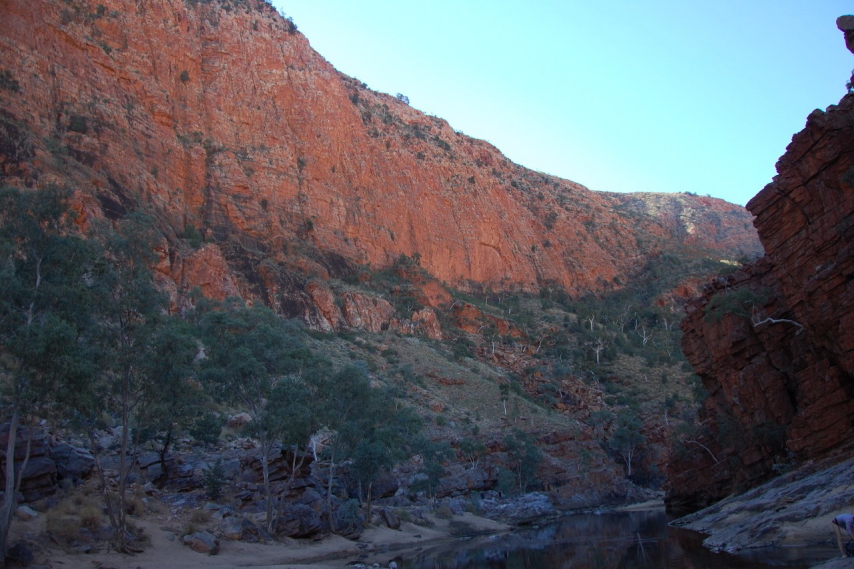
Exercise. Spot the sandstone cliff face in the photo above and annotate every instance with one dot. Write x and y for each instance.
(219, 117)
(774, 343)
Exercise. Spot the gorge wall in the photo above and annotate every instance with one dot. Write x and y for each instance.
(774, 342)
(219, 119)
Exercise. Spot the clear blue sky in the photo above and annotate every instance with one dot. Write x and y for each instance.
(619, 95)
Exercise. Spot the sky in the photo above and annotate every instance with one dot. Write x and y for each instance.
(618, 95)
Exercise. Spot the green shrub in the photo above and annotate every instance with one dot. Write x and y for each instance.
(192, 235)
(506, 482)
(78, 124)
(206, 428)
(8, 82)
(214, 480)
(739, 302)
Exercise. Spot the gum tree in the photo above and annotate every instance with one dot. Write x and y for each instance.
(173, 400)
(43, 307)
(627, 438)
(128, 312)
(364, 425)
(384, 434)
(249, 352)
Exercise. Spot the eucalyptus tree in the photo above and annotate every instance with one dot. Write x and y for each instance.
(128, 313)
(523, 456)
(364, 424)
(173, 399)
(43, 307)
(384, 436)
(433, 455)
(292, 418)
(249, 353)
(627, 438)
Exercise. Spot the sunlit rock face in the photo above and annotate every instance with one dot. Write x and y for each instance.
(774, 343)
(221, 120)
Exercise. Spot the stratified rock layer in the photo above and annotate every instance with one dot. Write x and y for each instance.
(774, 343)
(220, 119)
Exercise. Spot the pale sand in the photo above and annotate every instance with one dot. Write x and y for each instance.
(330, 552)
(642, 506)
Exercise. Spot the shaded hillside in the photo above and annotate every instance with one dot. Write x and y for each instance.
(773, 343)
(267, 168)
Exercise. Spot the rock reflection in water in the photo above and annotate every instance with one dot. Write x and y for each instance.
(621, 539)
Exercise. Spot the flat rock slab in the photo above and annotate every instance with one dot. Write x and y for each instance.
(794, 509)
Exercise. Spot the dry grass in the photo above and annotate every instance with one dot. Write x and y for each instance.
(91, 516)
(140, 538)
(190, 528)
(444, 512)
(83, 511)
(64, 528)
(134, 506)
(77, 511)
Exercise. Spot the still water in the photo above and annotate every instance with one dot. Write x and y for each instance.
(620, 539)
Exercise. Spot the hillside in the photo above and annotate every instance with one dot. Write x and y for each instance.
(487, 296)
(240, 135)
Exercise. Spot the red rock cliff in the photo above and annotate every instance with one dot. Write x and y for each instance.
(774, 343)
(219, 116)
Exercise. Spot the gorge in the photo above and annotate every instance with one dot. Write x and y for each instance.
(490, 298)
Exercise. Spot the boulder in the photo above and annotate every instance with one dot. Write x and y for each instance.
(232, 529)
(298, 520)
(385, 487)
(312, 499)
(72, 462)
(239, 421)
(349, 521)
(203, 542)
(39, 478)
(40, 475)
(241, 529)
(846, 26)
(389, 518)
(25, 513)
(182, 478)
(520, 510)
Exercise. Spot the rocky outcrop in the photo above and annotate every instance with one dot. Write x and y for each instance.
(268, 170)
(362, 311)
(774, 342)
(846, 26)
(790, 511)
(39, 476)
(51, 464)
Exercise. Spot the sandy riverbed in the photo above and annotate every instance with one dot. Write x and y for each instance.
(166, 550)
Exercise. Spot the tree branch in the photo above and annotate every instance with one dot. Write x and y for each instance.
(705, 448)
(770, 320)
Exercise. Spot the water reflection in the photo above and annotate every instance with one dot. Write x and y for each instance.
(623, 539)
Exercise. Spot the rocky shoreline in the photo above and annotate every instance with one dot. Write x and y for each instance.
(185, 527)
(792, 510)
